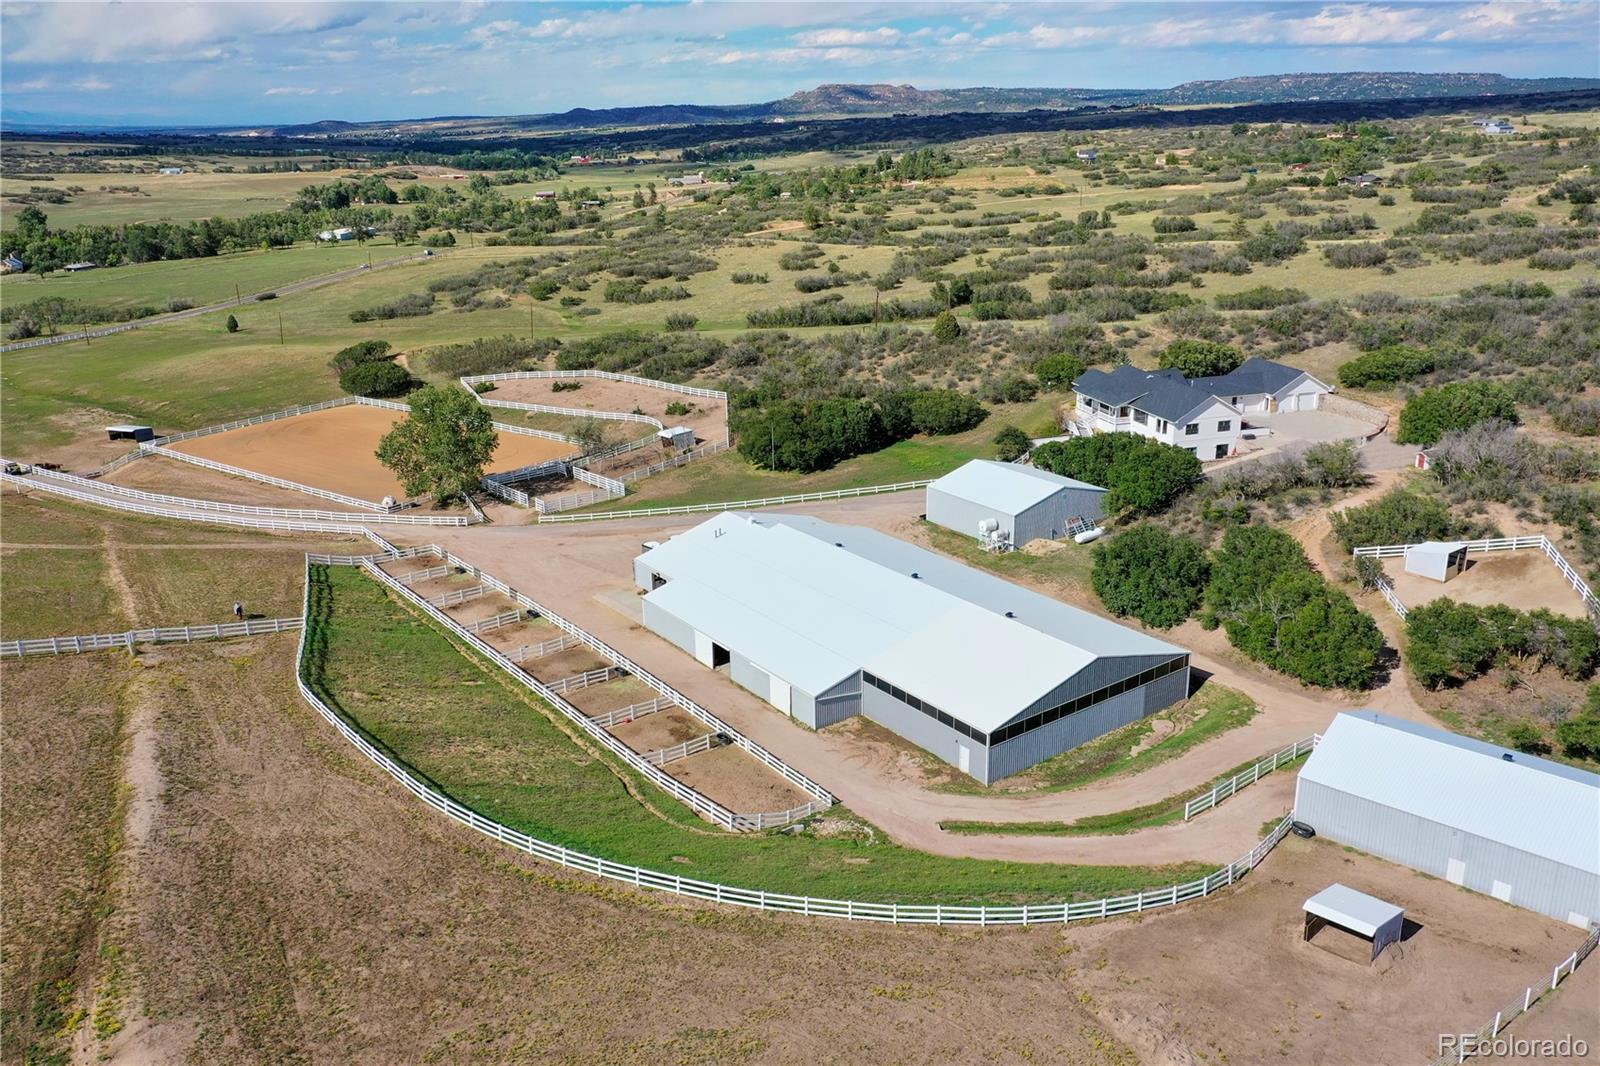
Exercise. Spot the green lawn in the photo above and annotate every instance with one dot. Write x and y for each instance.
(482, 739)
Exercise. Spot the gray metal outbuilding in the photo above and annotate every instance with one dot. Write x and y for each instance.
(1522, 829)
(826, 621)
(1026, 504)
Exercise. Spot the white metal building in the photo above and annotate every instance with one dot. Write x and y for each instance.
(1024, 503)
(1439, 559)
(826, 621)
(1367, 917)
(1517, 827)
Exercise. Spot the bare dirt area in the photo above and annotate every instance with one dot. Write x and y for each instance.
(564, 663)
(611, 696)
(336, 450)
(659, 730)
(731, 777)
(707, 417)
(1525, 579)
(174, 477)
(1232, 980)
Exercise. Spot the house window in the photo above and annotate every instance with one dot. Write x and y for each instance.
(1140, 417)
(1122, 412)
(1222, 451)
(1224, 425)
(1162, 426)
(1192, 429)
(1193, 451)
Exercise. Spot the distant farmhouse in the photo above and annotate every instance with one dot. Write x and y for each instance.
(1204, 415)
(77, 267)
(1088, 155)
(688, 179)
(12, 264)
(826, 622)
(545, 194)
(172, 170)
(343, 233)
(1494, 127)
(1362, 181)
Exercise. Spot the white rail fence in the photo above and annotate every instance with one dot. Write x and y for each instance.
(16, 649)
(189, 503)
(701, 804)
(1483, 1041)
(1245, 778)
(704, 742)
(1486, 545)
(268, 479)
(543, 648)
(457, 596)
(116, 464)
(489, 625)
(851, 910)
(431, 573)
(606, 375)
(624, 715)
(616, 658)
(1387, 590)
(256, 420)
(585, 680)
(740, 505)
(279, 525)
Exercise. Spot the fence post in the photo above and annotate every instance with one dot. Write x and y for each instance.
(1527, 999)
(1495, 1031)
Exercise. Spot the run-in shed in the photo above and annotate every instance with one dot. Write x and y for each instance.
(1438, 559)
(133, 433)
(1355, 912)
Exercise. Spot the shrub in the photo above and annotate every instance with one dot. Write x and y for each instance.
(677, 408)
(1200, 359)
(1397, 517)
(679, 323)
(1579, 416)
(1011, 444)
(1143, 475)
(745, 277)
(412, 305)
(375, 379)
(543, 288)
(1580, 737)
(1450, 642)
(1385, 366)
(1260, 298)
(1431, 412)
(570, 385)
(1058, 371)
(488, 355)
(1173, 224)
(233, 324)
(1151, 574)
(369, 351)
(943, 411)
(1348, 256)
(945, 327)
(1527, 737)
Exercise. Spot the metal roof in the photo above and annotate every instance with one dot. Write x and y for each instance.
(1353, 910)
(814, 602)
(1535, 805)
(1006, 487)
(1436, 547)
(125, 428)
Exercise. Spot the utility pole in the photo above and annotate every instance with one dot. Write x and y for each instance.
(280, 328)
(237, 299)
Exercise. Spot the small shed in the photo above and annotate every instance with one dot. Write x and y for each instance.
(676, 437)
(137, 434)
(1355, 912)
(1436, 559)
(1023, 503)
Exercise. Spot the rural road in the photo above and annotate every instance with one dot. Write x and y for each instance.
(193, 312)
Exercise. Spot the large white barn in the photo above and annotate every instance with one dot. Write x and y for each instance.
(1517, 827)
(826, 621)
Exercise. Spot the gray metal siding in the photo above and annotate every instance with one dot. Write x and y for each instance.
(1097, 675)
(1047, 519)
(923, 731)
(838, 703)
(1535, 883)
(668, 626)
(962, 515)
(1019, 753)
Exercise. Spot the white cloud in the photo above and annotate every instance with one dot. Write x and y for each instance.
(91, 84)
(839, 36)
(290, 90)
(428, 90)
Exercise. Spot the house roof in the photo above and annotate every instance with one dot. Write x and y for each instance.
(1535, 805)
(1356, 911)
(1006, 487)
(1253, 376)
(1163, 393)
(814, 602)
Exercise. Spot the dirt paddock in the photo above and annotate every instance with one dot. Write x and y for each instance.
(1231, 979)
(336, 450)
(707, 417)
(1526, 579)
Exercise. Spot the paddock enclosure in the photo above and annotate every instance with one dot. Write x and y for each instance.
(335, 449)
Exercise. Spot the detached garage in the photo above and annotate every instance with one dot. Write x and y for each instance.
(1019, 503)
(1522, 829)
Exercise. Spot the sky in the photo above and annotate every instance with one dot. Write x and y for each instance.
(244, 63)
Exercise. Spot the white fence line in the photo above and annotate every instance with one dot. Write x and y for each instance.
(266, 479)
(599, 481)
(606, 651)
(703, 742)
(681, 459)
(1490, 544)
(16, 649)
(1223, 789)
(606, 375)
(116, 464)
(516, 497)
(499, 621)
(244, 508)
(851, 910)
(256, 420)
(457, 596)
(696, 801)
(543, 648)
(1481, 1042)
(429, 574)
(1382, 585)
(623, 715)
(100, 500)
(741, 505)
(584, 680)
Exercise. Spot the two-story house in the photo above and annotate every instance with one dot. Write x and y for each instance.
(1160, 404)
(1205, 415)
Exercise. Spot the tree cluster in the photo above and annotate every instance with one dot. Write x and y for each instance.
(1428, 414)
(1450, 642)
(1142, 475)
(795, 435)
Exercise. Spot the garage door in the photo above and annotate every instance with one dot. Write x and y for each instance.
(1289, 403)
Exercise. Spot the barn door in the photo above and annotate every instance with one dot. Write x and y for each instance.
(703, 648)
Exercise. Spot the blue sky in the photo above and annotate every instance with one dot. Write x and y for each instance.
(248, 62)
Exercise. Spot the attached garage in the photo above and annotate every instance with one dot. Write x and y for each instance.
(1513, 826)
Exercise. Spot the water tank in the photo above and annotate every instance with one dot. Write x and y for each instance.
(1089, 534)
(988, 525)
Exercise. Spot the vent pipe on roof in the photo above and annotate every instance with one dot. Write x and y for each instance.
(1508, 757)
(916, 575)
(1011, 614)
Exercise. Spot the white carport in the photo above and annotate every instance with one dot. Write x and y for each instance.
(1436, 559)
(1355, 912)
